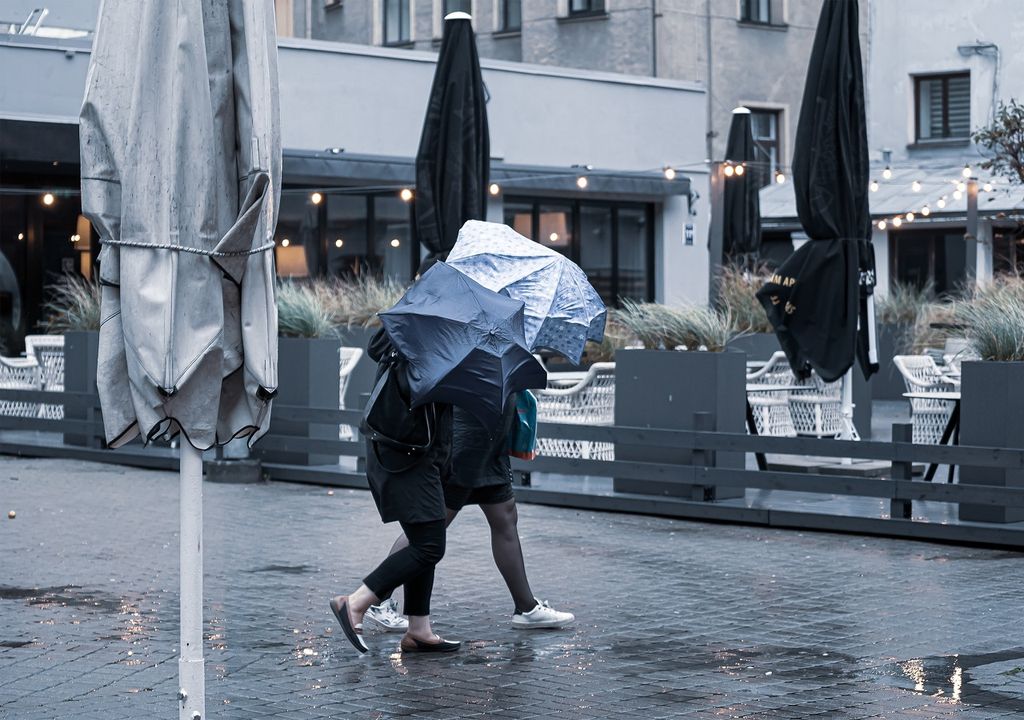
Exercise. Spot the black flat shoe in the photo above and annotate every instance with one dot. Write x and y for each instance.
(409, 644)
(354, 635)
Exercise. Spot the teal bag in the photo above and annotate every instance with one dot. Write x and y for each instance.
(522, 438)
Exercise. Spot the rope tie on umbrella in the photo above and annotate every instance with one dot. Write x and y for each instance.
(193, 250)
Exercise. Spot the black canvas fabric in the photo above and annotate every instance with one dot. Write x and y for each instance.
(815, 297)
(741, 231)
(453, 160)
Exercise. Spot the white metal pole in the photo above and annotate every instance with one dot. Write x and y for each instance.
(192, 693)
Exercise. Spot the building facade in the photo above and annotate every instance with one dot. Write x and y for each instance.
(351, 119)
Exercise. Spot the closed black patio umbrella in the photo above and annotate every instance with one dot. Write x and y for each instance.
(817, 295)
(453, 160)
(741, 230)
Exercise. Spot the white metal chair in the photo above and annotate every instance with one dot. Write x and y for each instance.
(586, 400)
(348, 358)
(48, 351)
(19, 374)
(818, 410)
(771, 410)
(921, 374)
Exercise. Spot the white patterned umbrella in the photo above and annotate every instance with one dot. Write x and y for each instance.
(563, 310)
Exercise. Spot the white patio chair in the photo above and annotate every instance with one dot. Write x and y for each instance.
(19, 374)
(929, 417)
(348, 358)
(48, 351)
(589, 400)
(771, 410)
(818, 410)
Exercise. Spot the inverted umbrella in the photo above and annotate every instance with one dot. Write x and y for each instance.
(181, 163)
(741, 229)
(563, 310)
(818, 299)
(453, 160)
(464, 344)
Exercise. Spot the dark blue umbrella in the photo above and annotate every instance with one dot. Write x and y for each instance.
(464, 344)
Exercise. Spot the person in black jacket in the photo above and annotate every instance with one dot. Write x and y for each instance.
(481, 474)
(412, 495)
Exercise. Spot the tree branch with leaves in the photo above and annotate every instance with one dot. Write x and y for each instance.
(1004, 139)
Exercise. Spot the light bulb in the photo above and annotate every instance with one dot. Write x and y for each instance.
(881, 224)
(961, 187)
(21, 236)
(729, 170)
(780, 178)
(670, 173)
(987, 187)
(582, 182)
(915, 186)
(957, 195)
(926, 211)
(395, 242)
(339, 242)
(966, 172)
(874, 186)
(316, 198)
(405, 194)
(553, 237)
(887, 173)
(896, 221)
(284, 243)
(48, 199)
(941, 202)
(494, 188)
(740, 170)
(910, 217)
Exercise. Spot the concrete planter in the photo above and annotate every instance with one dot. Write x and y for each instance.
(888, 383)
(307, 377)
(757, 346)
(81, 350)
(667, 389)
(992, 415)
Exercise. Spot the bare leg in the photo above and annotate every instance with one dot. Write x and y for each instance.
(508, 553)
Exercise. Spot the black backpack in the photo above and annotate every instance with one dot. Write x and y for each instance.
(389, 421)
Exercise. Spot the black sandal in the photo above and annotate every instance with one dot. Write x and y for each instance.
(411, 644)
(354, 635)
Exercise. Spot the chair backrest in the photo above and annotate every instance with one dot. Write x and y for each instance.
(48, 351)
(590, 399)
(348, 358)
(19, 373)
(920, 372)
(775, 372)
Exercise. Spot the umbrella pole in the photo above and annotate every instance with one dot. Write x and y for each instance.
(849, 430)
(192, 693)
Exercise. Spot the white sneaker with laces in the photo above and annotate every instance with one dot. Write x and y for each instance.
(387, 617)
(542, 616)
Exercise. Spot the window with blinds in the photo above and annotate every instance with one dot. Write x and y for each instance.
(943, 107)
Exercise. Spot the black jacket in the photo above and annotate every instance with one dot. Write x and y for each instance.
(413, 495)
(480, 458)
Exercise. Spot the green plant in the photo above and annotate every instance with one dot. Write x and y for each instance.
(356, 302)
(301, 311)
(690, 327)
(1004, 139)
(904, 303)
(993, 320)
(923, 334)
(616, 337)
(737, 297)
(73, 304)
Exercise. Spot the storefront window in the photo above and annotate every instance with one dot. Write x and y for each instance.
(347, 219)
(555, 229)
(519, 217)
(634, 253)
(297, 237)
(596, 249)
(393, 240)
(920, 257)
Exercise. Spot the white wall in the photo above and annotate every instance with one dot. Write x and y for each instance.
(921, 36)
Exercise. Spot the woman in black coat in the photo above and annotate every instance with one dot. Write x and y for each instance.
(410, 493)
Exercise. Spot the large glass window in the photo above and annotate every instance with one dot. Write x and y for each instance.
(943, 106)
(918, 257)
(613, 242)
(764, 126)
(756, 11)
(347, 250)
(396, 22)
(297, 237)
(510, 15)
(392, 238)
(586, 7)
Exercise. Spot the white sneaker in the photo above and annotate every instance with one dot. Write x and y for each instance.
(387, 617)
(542, 616)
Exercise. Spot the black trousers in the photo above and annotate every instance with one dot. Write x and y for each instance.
(412, 566)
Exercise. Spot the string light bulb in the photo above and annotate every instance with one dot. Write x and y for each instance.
(966, 172)
(582, 182)
(670, 173)
(316, 198)
(987, 187)
(780, 177)
(338, 243)
(728, 170)
(887, 173)
(926, 211)
(960, 187)
(881, 224)
(48, 199)
(494, 188)
(941, 202)
(285, 243)
(957, 195)
(897, 221)
(915, 186)
(21, 236)
(910, 217)
(405, 194)
(740, 169)
(553, 237)
(874, 186)
(395, 242)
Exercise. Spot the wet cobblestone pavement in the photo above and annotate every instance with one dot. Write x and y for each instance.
(676, 619)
